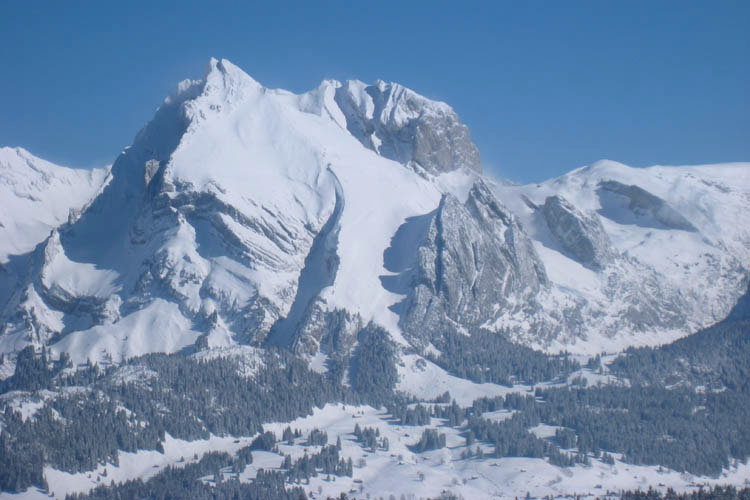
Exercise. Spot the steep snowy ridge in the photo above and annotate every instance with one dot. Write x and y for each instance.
(242, 214)
(37, 197)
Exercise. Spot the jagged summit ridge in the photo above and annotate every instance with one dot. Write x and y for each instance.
(388, 118)
(399, 124)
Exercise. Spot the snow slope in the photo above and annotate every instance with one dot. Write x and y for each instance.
(681, 244)
(38, 196)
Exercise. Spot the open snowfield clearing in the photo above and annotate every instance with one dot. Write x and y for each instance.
(143, 464)
(397, 470)
(400, 471)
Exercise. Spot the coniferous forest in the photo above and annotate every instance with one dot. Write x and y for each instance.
(658, 419)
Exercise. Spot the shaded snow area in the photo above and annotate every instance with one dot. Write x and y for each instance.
(398, 470)
(159, 327)
(38, 196)
(69, 277)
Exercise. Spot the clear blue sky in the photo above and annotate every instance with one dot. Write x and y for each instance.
(544, 86)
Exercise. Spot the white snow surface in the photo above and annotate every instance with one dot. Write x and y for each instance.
(159, 327)
(423, 379)
(38, 196)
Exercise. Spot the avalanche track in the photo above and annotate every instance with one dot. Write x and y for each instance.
(319, 272)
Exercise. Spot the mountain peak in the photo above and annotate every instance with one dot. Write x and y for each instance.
(17, 151)
(222, 80)
(401, 125)
(227, 84)
(393, 121)
(224, 69)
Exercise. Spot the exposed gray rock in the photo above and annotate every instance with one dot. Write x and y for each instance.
(330, 332)
(580, 234)
(475, 261)
(401, 125)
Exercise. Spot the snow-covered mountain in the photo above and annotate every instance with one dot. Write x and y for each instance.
(636, 256)
(243, 214)
(37, 197)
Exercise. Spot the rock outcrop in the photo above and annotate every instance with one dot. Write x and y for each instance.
(476, 260)
(401, 125)
(581, 235)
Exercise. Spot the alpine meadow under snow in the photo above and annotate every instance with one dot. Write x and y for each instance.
(345, 246)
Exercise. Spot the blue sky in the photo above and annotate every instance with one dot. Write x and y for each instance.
(545, 87)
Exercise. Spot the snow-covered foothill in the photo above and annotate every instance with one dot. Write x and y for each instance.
(398, 470)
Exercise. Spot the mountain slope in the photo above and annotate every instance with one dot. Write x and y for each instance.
(37, 197)
(242, 214)
(209, 219)
(648, 253)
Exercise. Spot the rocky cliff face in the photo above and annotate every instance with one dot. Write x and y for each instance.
(403, 126)
(475, 260)
(582, 235)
